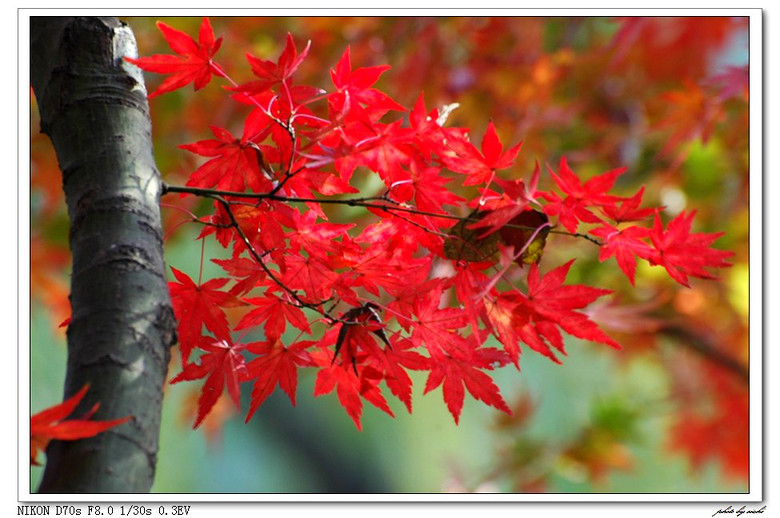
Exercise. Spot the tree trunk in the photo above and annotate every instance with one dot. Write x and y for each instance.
(93, 107)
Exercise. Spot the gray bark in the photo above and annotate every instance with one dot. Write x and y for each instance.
(93, 107)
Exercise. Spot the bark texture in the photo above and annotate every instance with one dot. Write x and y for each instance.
(93, 107)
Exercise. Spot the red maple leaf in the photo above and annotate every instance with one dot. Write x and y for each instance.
(248, 270)
(270, 117)
(306, 181)
(275, 312)
(573, 209)
(350, 387)
(461, 367)
(383, 148)
(237, 164)
(317, 238)
(275, 364)
(550, 305)
(294, 152)
(437, 329)
(224, 366)
(480, 166)
(269, 216)
(197, 305)
(275, 73)
(628, 209)
(402, 235)
(354, 86)
(313, 275)
(426, 130)
(471, 288)
(683, 253)
(393, 363)
(383, 264)
(192, 65)
(426, 185)
(626, 245)
(51, 424)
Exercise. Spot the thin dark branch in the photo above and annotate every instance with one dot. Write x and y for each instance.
(575, 234)
(367, 202)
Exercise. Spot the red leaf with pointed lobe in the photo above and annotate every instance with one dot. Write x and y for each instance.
(574, 208)
(275, 312)
(304, 183)
(427, 187)
(272, 74)
(320, 261)
(275, 364)
(425, 126)
(51, 424)
(480, 167)
(628, 209)
(197, 305)
(193, 63)
(683, 253)
(248, 270)
(354, 86)
(313, 275)
(550, 305)
(361, 330)
(383, 148)
(435, 328)
(317, 238)
(460, 369)
(383, 264)
(393, 362)
(625, 244)
(471, 289)
(224, 366)
(237, 164)
(350, 387)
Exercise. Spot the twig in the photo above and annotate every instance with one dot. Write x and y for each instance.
(259, 259)
(369, 202)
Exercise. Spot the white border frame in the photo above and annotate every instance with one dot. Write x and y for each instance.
(758, 461)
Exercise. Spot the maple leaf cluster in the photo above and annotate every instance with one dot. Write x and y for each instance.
(450, 257)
